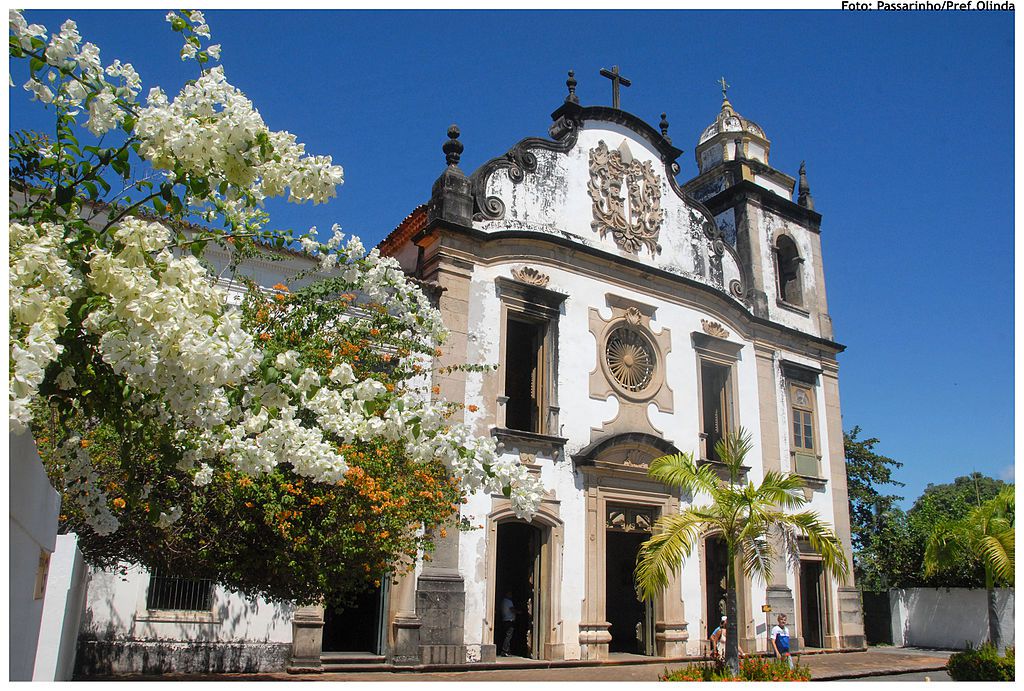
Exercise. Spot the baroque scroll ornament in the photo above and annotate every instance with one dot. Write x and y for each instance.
(634, 225)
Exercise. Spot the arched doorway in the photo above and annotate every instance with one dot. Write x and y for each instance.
(526, 559)
(519, 574)
(622, 503)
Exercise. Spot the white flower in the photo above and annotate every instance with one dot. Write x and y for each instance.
(66, 379)
(188, 51)
(369, 389)
(342, 374)
(203, 476)
(287, 361)
(40, 92)
(214, 51)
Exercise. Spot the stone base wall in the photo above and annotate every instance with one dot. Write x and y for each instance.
(103, 658)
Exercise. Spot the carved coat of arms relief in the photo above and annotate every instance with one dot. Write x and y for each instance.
(634, 221)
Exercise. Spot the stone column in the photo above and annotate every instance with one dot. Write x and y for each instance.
(405, 626)
(778, 594)
(850, 614)
(441, 604)
(307, 640)
(440, 590)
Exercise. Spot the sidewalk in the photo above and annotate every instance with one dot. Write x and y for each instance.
(824, 667)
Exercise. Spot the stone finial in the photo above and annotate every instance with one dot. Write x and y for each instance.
(804, 198)
(664, 128)
(453, 147)
(571, 84)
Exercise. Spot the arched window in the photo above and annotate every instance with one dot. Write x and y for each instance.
(787, 270)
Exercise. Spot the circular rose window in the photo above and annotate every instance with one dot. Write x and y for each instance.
(630, 358)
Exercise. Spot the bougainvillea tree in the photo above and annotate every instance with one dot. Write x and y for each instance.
(292, 447)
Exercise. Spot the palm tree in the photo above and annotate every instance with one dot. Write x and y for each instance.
(745, 516)
(986, 532)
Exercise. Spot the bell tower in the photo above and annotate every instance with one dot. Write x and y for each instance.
(777, 238)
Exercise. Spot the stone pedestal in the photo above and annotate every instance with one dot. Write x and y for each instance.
(307, 640)
(405, 626)
(780, 598)
(670, 638)
(594, 640)
(441, 607)
(851, 619)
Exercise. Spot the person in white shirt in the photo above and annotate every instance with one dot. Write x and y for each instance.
(718, 635)
(780, 640)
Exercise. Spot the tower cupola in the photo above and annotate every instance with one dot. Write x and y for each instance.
(730, 137)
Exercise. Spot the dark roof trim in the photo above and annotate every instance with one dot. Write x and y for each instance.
(581, 114)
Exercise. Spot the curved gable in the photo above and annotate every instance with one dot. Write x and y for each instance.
(607, 181)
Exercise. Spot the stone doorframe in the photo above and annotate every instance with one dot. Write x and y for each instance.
(552, 540)
(627, 487)
(829, 639)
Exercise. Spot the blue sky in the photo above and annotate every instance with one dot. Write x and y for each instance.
(905, 121)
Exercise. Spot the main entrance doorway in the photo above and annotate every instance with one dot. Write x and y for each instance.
(716, 564)
(631, 619)
(811, 603)
(359, 626)
(518, 573)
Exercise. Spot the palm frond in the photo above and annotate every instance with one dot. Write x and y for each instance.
(757, 556)
(945, 545)
(997, 551)
(680, 470)
(674, 538)
(822, 540)
(732, 450)
(781, 490)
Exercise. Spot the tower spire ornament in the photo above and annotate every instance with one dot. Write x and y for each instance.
(617, 79)
(804, 197)
(571, 84)
(453, 147)
(725, 98)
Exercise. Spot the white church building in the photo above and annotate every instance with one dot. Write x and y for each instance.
(630, 316)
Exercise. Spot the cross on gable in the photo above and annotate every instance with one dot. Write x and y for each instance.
(617, 79)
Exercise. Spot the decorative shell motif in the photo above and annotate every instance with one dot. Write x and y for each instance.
(634, 222)
(630, 359)
(633, 315)
(714, 329)
(527, 274)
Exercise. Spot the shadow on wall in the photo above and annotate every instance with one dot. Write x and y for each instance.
(948, 618)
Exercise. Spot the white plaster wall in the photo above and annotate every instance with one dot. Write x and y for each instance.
(772, 186)
(577, 353)
(555, 200)
(948, 617)
(116, 609)
(34, 506)
(62, 612)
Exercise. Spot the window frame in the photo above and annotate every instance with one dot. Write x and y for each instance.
(720, 352)
(156, 615)
(797, 376)
(532, 304)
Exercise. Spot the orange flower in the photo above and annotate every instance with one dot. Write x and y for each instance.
(437, 352)
(359, 527)
(119, 503)
(279, 297)
(85, 443)
(472, 408)
(281, 286)
(436, 390)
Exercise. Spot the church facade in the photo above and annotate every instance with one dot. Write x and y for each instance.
(629, 316)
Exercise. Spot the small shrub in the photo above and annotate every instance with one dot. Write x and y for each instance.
(981, 664)
(751, 669)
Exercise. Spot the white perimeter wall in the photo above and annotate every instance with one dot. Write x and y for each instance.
(116, 609)
(62, 612)
(947, 617)
(33, 527)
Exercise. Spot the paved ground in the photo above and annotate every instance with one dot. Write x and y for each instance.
(869, 666)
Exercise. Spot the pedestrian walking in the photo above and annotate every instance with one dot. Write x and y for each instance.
(780, 640)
